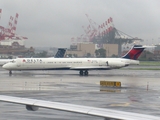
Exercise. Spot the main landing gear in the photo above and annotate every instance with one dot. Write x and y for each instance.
(83, 72)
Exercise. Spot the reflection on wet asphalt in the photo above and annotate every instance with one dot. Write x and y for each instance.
(140, 92)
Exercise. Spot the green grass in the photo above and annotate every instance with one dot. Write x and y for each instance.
(140, 68)
(146, 63)
(150, 63)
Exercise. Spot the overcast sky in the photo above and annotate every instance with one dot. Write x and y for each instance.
(53, 23)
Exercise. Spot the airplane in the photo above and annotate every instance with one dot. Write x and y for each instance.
(60, 53)
(107, 114)
(4, 61)
(83, 65)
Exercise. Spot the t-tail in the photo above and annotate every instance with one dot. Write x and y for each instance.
(60, 53)
(134, 53)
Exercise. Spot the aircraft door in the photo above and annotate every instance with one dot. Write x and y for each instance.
(103, 63)
(107, 63)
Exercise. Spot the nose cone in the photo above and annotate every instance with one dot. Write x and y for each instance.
(6, 66)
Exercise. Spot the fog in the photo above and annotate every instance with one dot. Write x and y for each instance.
(52, 23)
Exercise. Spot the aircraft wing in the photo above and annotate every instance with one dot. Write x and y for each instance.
(90, 68)
(100, 112)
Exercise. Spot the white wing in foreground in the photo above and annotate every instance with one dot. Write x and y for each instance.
(33, 104)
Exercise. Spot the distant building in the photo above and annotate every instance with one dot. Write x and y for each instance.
(14, 47)
(14, 43)
(88, 49)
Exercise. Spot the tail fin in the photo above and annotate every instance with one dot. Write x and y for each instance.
(60, 53)
(134, 53)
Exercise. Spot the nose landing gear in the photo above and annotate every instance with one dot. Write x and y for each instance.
(10, 73)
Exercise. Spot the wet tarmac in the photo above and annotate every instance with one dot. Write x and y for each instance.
(140, 92)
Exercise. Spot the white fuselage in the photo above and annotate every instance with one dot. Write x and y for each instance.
(68, 63)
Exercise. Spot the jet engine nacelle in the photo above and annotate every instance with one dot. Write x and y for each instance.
(117, 64)
(31, 108)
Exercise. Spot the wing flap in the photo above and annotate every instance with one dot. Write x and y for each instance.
(101, 112)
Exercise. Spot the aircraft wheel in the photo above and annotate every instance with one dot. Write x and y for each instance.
(81, 72)
(86, 73)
